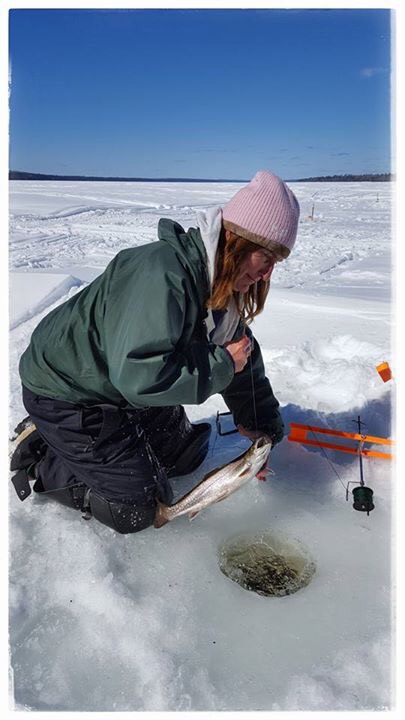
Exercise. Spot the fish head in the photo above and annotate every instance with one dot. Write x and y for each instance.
(260, 450)
(262, 445)
(262, 441)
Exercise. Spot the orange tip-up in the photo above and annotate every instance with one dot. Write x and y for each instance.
(299, 433)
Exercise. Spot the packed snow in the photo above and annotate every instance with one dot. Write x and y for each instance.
(147, 622)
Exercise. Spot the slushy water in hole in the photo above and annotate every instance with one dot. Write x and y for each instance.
(267, 563)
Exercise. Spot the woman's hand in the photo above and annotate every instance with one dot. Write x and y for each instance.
(239, 351)
(254, 435)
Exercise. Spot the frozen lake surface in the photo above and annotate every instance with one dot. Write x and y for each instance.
(147, 622)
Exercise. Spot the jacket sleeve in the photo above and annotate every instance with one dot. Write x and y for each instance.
(149, 361)
(239, 397)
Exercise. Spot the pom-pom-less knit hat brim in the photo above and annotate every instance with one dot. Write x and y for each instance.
(274, 247)
(266, 212)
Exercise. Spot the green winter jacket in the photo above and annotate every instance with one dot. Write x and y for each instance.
(136, 336)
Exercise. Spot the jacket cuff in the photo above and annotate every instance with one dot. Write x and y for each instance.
(224, 370)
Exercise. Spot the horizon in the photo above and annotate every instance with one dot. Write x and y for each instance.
(117, 178)
(201, 92)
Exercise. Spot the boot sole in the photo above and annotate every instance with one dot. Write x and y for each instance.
(24, 434)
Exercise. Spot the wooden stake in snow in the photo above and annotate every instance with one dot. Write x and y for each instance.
(311, 216)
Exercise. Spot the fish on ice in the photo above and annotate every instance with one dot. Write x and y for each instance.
(217, 484)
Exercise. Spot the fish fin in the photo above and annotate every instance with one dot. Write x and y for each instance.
(160, 518)
(193, 515)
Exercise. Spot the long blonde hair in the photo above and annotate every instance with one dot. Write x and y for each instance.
(232, 251)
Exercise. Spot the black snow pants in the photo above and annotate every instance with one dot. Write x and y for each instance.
(112, 462)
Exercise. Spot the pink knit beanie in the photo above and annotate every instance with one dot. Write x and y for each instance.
(265, 212)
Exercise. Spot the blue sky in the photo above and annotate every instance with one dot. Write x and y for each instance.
(200, 93)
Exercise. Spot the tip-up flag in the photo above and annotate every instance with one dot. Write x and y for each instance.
(384, 371)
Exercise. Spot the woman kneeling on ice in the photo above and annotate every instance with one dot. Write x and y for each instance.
(106, 373)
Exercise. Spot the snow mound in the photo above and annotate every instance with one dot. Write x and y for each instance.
(31, 293)
(334, 374)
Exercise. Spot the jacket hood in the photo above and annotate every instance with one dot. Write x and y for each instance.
(209, 222)
(190, 250)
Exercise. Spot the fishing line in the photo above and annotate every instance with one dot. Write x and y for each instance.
(213, 446)
(253, 401)
(251, 375)
(329, 461)
(253, 389)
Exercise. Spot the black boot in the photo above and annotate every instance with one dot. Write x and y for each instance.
(29, 447)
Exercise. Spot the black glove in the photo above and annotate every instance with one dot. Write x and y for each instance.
(275, 430)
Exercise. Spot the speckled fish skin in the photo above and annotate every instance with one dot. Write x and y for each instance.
(217, 484)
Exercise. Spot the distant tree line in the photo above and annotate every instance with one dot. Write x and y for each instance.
(17, 175)
(376, 177)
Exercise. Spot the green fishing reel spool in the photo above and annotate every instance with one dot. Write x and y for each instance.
(362, 498)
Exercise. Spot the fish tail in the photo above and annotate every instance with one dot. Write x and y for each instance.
(160, 517)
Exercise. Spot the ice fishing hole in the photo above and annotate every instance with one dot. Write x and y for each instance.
(266, 563)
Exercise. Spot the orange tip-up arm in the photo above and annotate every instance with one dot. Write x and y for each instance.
(299, 433)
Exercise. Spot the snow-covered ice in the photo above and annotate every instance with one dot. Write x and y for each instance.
(31, 294)
(105, 622)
